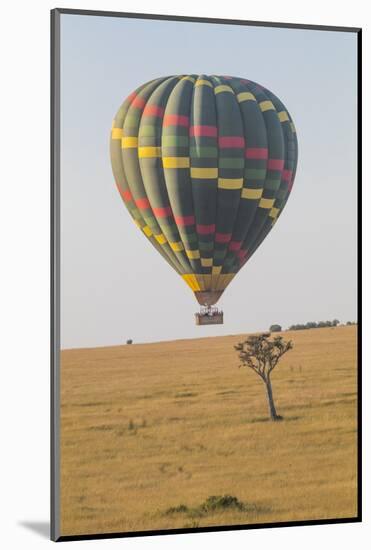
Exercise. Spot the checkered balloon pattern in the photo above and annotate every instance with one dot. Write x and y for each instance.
(205, 165)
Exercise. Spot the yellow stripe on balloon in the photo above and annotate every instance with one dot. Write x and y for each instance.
(266, 203)
(230, 183)
(274, 212)
(245, 96)
(193, 254)
(177, 246)
(223, 88)
(251, 193)
(129, 142)
(283, 116)
(116, 133)
(147, 231)
(266, 106)
(192, 281)
(191, 78)
(204, 173)
(175, 162)
(149, 152)
(161, 239)
(203, 82)
(206, 262)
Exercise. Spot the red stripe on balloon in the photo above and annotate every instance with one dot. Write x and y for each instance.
(256, 153)
(162, 212)
(235, 245)
(205, 229)
(241, 254)
(138, 102)
(126, 195)
(143, 204)
(287, 175)
(223, 237)
(184, 220)
(176, 120)
(275, 164)
(231, 142)
(153, 110)
(203, 131)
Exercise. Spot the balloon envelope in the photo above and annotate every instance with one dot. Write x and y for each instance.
(205, 165)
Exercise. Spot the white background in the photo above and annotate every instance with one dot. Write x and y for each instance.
(24, 287)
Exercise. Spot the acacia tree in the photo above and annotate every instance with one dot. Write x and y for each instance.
(261, 354)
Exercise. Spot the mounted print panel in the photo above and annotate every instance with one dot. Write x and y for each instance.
(205, 372)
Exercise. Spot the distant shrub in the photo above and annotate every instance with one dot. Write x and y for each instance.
(221, 503)
(129, 341)
(210, 505)
(275, 328)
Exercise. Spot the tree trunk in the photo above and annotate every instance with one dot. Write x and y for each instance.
(272, 408)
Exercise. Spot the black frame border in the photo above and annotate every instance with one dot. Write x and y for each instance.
(55, 273)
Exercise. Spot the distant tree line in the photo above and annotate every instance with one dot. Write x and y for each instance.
(310, 324)
(313, 324)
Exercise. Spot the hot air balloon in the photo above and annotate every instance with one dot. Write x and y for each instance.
(205, 165)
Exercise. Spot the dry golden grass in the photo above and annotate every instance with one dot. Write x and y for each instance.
(152, 426)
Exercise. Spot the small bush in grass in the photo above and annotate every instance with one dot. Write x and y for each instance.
(215, 503)
(210, 505)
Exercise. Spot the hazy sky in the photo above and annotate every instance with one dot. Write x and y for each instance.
(304, 270)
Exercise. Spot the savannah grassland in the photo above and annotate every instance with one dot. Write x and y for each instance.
(150, 431)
